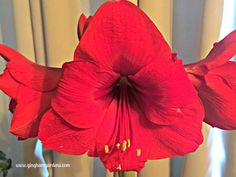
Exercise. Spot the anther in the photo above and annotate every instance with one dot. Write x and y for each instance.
(138, 152)
(124, 145)
(128, 143)
(118, 145)
(106, 149)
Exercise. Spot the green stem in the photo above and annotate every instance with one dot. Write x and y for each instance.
(125, 174)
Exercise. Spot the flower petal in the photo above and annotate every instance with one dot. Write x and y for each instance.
(31, 105)
(122, 38)
(31, 88)
(24, 123)
(8, 84)
(83, 24)
(215, 80)
(181, 137)
(82, 93)
(146, 140)
(58, 135)
(12, 105)
(163, 91)
(222, 52)
(118, 139)
(24, 71)
(217, 90)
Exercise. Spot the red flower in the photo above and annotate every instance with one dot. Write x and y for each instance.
(215, 80)
(30, 87)
(124, 99)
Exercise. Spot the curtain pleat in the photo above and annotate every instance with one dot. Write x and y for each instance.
(134, 1)
(156, 168)
(229, 169)
(161, 14)
(23, 28)
(38, 31)
(187, 25)
(60, 29)
(79, 165)
(197, 164)
(211, 25)
(25, 44)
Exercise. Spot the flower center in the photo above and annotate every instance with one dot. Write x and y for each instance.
(123, 80)
(124, 89)
(123, 92)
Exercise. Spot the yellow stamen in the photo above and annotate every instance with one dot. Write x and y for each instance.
(124, 145)
(128, 143)
(118, 145)
(106, 149)
(138, 152)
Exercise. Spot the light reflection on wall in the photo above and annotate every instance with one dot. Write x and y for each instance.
(217, 153)
(39, 154)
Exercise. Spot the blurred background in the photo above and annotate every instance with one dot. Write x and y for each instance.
(46, 32)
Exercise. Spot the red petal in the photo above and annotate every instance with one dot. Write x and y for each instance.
(81, 97)
(217, 91)
(30, 74)
(180, 138)
(83, 24)
(24, 105)
(222, 52)
(12, 105)
(153, 141)
(58, 135)
(121, 37)
(228, 73)
(31, 105)
(162, 92)
(118, 126)
(215, 81)
(31, 87)
(8, 84)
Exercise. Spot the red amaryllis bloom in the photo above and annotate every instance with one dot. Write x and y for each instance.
(215, 80)
(30, 87)
(123, 99)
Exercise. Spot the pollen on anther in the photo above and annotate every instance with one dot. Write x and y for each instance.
(118, 145)
(128, 143)
(138, 152)
(106, 149)
(124, 145)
